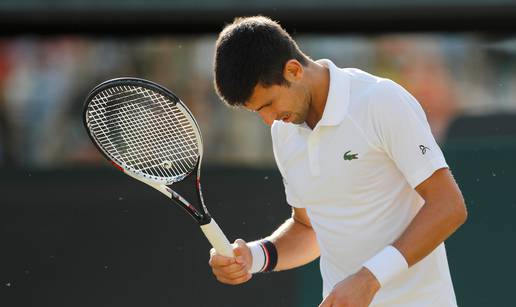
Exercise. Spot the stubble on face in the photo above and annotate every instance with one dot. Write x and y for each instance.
(304, 107)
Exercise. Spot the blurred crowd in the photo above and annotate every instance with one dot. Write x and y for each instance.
(44, 80)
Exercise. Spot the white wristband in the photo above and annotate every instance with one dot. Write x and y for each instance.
(258, 257)
(387, 264)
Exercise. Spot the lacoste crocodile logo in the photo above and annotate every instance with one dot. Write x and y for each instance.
(348, 156)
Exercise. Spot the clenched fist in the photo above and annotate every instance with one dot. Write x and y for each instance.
(232, 270)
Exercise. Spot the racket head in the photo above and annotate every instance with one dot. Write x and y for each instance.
(144, 129)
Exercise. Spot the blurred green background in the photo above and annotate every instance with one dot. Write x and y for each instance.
(76, 233)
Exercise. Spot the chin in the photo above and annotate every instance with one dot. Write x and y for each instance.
(297, 121)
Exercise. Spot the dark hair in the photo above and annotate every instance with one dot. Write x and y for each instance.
(251, 51)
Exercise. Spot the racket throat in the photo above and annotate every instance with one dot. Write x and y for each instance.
(206, 219)
(189, 208)
(206, 216)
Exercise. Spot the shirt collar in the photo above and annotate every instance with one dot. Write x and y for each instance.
(338, 95)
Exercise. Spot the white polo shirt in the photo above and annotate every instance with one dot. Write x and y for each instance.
(355, 174)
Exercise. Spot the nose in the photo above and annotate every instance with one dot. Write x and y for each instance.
(267, 117)
(267, 120)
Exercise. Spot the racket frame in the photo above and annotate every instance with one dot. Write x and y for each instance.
(208, 225)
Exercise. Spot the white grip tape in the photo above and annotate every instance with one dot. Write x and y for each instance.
(217, 239)
(258, 257)
(387, 264)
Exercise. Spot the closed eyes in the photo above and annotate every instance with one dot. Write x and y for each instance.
(263, 106)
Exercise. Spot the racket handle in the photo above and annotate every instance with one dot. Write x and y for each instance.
(217, 238)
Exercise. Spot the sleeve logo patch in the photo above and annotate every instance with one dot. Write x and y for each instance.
(423, 149)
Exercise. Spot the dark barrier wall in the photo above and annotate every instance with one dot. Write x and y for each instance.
(97, 238)
(482, 254)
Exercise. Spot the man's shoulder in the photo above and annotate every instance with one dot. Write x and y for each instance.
(361, 75)
(367, 90)
(366, 86)
(368, 80)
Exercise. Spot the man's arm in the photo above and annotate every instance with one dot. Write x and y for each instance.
(443, 212)
(295, 243)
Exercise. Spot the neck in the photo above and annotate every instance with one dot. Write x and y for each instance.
(319, 86)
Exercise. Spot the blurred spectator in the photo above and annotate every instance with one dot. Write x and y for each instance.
(417, 64)
(5, 134)
(44, 80)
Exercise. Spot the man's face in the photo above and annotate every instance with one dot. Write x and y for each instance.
(287, 103)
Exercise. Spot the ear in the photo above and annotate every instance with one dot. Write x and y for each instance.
(293, 70)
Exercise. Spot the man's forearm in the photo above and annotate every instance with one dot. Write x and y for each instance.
(444, 211)
(431, 226)
(296, 244)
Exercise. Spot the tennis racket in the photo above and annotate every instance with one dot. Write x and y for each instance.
(147, 132)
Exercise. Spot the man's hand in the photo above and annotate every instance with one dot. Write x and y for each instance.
(232, 271)
(357, 290)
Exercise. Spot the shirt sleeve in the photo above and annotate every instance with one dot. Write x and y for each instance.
(292, 199)
(403, 132)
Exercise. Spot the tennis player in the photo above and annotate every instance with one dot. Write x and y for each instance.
(370, 190)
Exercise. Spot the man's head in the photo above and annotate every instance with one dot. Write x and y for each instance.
(249, 52)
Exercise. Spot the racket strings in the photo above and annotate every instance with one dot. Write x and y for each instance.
(157, 140)
(178, 147)
(145, 131)
(152, 145)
